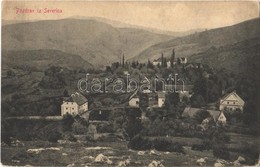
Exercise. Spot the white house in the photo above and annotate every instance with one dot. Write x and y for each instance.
(75, 104)
(182, 60)
(231, 102)
(157, 62)
(222, 120)
(134, 100)
(161, 99)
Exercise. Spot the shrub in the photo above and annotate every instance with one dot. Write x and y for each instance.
(78, 128)
(72, 138)
(166, 145)
(221, 152)
(54, 137)
(67, 122)
(105, 128)
(139, 143)
(206, 145)
(161, 144)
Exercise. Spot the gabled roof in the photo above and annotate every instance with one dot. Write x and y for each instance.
(190, 112)
(222, 114)
(240, 101)
(158, 59)
(77, 98)
(182, 58)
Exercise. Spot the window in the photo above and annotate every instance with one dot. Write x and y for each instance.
(137, 102)
(67, 108)
(228, 102)
(72, 108)
(67, 102)
(234, 102)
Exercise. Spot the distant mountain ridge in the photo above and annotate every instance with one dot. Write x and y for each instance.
(119, 24)
(101, 42)
(199, 43)
(43, 59)
(98, 43)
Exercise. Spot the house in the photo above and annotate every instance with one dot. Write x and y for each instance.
(156, 100)
(134, 100)
(231, 102)
(182, 60)
(161, 99)
(157, 62)
(217, 116)
(184, 94)
(75, 104)
(169, 61)
(153, 99)
(222, 120)
(193, 65)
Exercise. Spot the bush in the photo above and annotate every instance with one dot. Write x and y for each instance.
(72, 138)
(201, 115)
(67, 122)
(78, 128)
(139, 143)
(166, 145)
(54, 137)
(221, 152)
(176, 147)
(105, 128)
(201, 147)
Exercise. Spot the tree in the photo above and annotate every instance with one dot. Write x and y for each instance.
(134, 126)
(65, 93)
(149, 64)
(201, 115)
(144, 101)
(197, 101)
(123, 61)
(67, 122)
(172, 57)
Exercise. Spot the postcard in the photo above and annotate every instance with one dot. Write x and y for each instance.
(130, 83)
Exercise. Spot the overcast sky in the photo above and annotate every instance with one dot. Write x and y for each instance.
(170, 16)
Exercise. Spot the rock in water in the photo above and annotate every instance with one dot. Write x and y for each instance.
(156, 164)
(141, 152)
(218, 164)
(154, 152)
(103, 159)
(201, 161)
(240, 160)
(123, 163)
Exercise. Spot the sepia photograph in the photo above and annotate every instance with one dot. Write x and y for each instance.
(130, 83)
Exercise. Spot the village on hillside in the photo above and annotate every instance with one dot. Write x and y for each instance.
(229, 102)
(188, 107)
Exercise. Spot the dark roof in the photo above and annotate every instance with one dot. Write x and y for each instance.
(182, 58)
(77, 98)
(190, 112)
